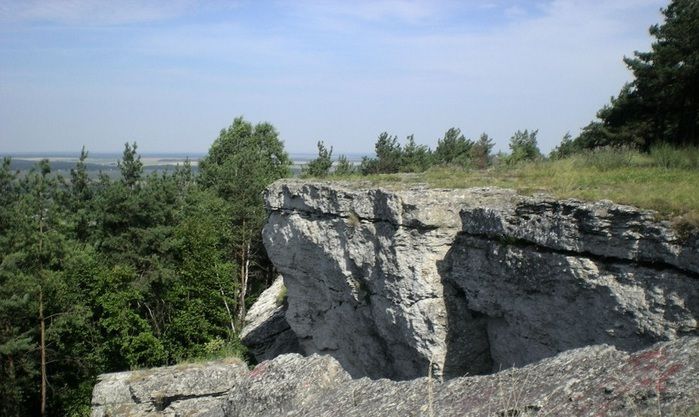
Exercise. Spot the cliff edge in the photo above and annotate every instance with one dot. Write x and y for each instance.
(471, 281)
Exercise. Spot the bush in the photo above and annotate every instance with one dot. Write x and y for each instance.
(343, 166)
(669, 157)
(608, 158)
(524, 147)
(320, 167)
(415, 158)
(388, 156)
(480, 152)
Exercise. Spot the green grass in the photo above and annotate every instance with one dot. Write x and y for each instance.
(665, 180)
(281, 297)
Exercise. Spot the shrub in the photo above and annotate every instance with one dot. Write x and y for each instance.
(668, 157)
(388, 156)
(524, 147)
(607, 158)
(343, 166)
(320, 167)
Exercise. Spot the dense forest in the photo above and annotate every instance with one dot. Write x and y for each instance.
(105, 275)
(108, 274)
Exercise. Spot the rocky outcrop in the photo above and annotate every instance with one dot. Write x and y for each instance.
(266, 332)
(590, 381)
(194, 390)
(397, 283)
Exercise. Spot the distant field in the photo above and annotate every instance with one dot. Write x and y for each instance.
(62, 163)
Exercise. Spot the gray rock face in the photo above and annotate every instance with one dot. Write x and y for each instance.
(195, 390)
(266, 332)
(471, 281)
(590, 381)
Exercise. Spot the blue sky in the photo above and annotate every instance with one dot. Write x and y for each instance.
(171, 74)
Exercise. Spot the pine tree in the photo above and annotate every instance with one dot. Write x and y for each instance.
(661, 104)
(320, 166)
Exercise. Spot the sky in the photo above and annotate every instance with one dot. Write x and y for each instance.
(171, 74)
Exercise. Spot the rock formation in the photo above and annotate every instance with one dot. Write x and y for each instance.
(596, 304)
(591, 381)
(266, 332)
(471, 281)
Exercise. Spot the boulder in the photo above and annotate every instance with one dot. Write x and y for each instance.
(266, 332)
(192, 389)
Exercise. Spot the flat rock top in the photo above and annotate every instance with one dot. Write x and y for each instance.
(599, 228)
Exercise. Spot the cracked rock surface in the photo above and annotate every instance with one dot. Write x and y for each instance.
(473, 280)
(194, 390)
(591, 381)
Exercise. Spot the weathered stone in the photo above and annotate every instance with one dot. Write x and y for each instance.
(195, 390)
(591, 381)
(284, 384)
(389, 282)
(361, 273)
(266, 332)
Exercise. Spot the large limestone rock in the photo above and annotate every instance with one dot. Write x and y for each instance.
(470, 281)
(591, 381)
(266, 332)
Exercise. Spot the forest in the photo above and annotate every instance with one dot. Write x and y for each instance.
(108, 274)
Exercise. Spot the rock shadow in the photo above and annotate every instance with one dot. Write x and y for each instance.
(511, 303)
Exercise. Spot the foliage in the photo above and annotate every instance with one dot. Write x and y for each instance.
(388, 156)
(480, 152)
(566, 148)
(667, 156)
(415, 158)
(523, 147)
(320, 167)
(661, 104)
(453, 148)
(141, 271)
(241, 162)
(130, 165)
(343, 167)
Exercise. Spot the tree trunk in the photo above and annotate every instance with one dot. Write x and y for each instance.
(225, 303)
(244, 276)
(42, 349)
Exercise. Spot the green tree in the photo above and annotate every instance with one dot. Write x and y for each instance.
(661, 104)
(343, 166)
(81, 195)
(131, 166)
(480, 152)
(566, 148)
(242, 161)
(523, 147)
(388, 156)
(320, 166)
(453, 148)
(415, 158)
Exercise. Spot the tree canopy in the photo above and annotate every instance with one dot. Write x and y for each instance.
(661, 104)
(107, 274)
